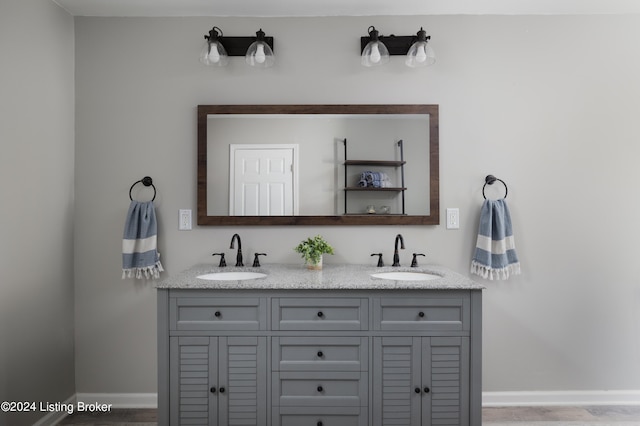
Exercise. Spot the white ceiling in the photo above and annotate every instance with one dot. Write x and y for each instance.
(344, 7)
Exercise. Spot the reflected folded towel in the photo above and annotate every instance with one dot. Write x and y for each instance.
(374, 179)
(495, 255)
(140, 255)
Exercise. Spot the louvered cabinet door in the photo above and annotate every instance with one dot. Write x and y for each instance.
(192, 368)
(445, 381)
(397, 371)
(218, 381)
(242, 371)
(421, 381)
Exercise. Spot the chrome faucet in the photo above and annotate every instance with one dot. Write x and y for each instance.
(239, 255)
(396, 255)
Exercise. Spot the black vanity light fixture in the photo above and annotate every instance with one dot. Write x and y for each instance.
(376, 49)
(257, 51)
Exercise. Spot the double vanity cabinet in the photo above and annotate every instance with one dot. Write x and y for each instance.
(319, 348)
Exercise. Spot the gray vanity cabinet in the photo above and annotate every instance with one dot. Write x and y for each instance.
(319, 357)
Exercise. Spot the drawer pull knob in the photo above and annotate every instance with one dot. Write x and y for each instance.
(221, 390)
(417, 390)
(426, 390)
(320, 354)
(319, 423)
(320, 314)
(217, 314)
(213, 389)
(421, 314)
(320, 388)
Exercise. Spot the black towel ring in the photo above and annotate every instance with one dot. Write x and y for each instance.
(146, 181)
(490, 180)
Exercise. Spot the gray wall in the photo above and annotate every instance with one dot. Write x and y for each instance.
(546, 103)
(36, 199)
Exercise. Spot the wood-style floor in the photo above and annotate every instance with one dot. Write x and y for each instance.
(627, 415)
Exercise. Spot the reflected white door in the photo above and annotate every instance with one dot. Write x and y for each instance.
(263, 180)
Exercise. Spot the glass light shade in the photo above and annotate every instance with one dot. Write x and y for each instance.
(260, 55)
(375, 53)
(214, 54)
(420, 54)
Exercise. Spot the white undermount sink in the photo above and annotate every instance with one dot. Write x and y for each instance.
(406, 276)
(231, 276)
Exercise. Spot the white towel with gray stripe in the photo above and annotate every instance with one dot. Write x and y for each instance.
(495, 255)
(140, 257)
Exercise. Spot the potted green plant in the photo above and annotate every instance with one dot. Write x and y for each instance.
(312, 249)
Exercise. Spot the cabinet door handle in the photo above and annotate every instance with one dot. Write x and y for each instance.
(426, 389)
(320, 354)
(320, 388)
(421, 314)
(417, 390)
(221, 390)
(213, 389)
(217, 314)
(319, 423)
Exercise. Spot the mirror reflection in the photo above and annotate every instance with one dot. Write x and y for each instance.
(317, 164)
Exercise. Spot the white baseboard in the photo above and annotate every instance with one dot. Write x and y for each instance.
(53, 417)
(121, 400)
(538, 398)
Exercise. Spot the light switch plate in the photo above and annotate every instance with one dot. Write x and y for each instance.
(453, 218)
(184, 223)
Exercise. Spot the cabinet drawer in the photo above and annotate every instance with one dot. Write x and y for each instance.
(319, 416)
(319, 354)
(213, 313)
(319, 314)
(422, 313)
(320, 389)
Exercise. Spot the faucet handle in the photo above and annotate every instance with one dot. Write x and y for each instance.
(380, 262)
(414, 262)
(222, 261)
(256, 261)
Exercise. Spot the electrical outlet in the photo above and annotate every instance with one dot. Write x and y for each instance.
(184, 223)
(453, 218)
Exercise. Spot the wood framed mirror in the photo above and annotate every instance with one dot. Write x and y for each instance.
(329, 154)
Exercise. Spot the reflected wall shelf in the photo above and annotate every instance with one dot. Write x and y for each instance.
(375, 163)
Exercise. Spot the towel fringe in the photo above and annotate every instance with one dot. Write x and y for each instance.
(146, 272)
(487, 272)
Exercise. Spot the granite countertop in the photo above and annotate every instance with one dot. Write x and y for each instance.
(331, 277)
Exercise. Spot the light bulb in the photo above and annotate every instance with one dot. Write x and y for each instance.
(375, 53)
(214, 56)
(421, 54)
(260, 56)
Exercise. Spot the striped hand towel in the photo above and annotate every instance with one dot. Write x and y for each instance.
(495, 256)
(140, 257)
